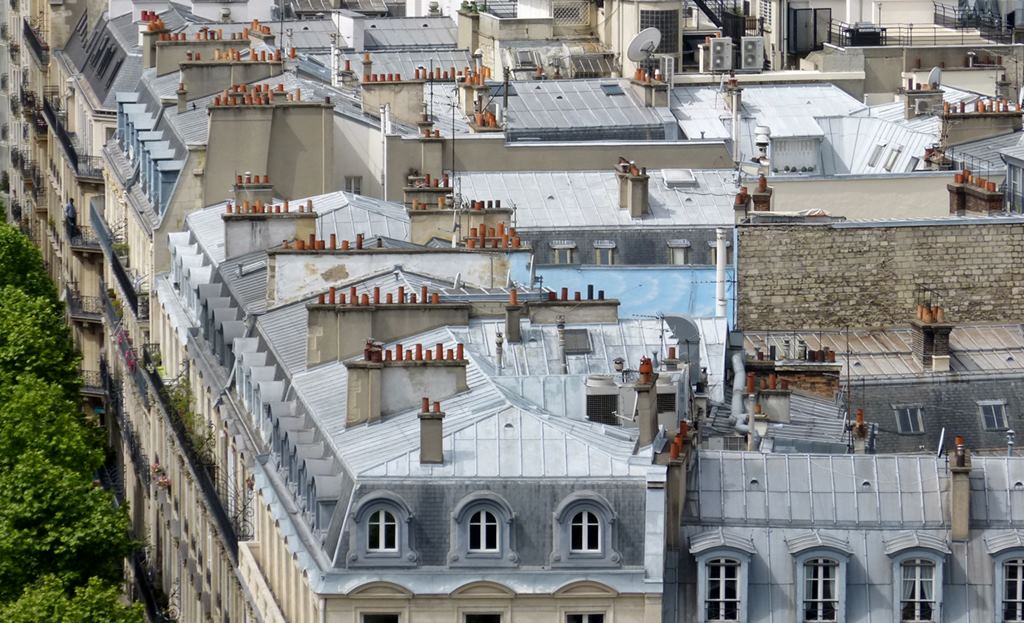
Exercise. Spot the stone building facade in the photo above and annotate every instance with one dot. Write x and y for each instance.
(867, 274)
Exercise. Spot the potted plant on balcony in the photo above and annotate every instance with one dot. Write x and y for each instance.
(121, 251)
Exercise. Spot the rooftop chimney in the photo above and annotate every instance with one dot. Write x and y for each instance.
(401, 370)
(431, 433)
(974, 194)
(150, 36)
(960, 492)
(253, 226)
(930, 338)
(513, 318)
(182, 98)
(647, 401)
(633, 188)
(762, 196)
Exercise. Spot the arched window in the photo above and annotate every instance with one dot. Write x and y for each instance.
(821, 596)
(723, 563)
(585, 533)
(1013, 590)
(381, 532)
(917, 591)
(483, 532)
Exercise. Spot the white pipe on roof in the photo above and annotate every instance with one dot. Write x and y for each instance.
(720, 258)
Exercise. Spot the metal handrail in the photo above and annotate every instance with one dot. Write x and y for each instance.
(40, 51)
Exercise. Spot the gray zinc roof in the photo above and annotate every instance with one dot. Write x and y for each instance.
(554, 199)
(409, 32)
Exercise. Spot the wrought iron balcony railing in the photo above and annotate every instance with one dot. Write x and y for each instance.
(40, 50)
(84, 166)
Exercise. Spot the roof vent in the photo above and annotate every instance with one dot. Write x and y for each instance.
(679, 178)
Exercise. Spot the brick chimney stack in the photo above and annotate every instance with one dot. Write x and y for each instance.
(647, 401)
(930, 338)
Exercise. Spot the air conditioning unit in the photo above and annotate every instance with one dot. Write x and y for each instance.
(922, 107)
(752, 56)
(721, 54)
(667, 65)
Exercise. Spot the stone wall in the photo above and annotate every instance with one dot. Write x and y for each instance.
(803, 276)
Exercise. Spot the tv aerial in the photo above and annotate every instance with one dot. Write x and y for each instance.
(641, 49)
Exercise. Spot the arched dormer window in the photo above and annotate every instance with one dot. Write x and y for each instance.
(1007, 552)
(723, 563)
(918, 559)
(584, 532)
(820, 564)
(380, 533)
(482, 532)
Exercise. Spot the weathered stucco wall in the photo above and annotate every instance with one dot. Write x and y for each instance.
(862, 275)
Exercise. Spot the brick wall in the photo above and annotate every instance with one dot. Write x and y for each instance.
(863, 275)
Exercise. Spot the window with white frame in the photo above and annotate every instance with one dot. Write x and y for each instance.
(585, 533)
(713, 253)
(354, 184)
(722, 592)
(382, 532)
(908, 419)
(820, 598)
(993, 415)
(564, 255)
(584, 618)
(483, 532)
(1013, 590)
(917, 590)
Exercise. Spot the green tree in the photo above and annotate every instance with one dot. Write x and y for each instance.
(35, 415)
(22, 264)
(35, 340)
(54, 521)
(49, 600)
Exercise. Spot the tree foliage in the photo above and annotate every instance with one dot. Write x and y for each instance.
(51, 601)
(22, 264)
(36, 415)
(54, 521)
(62, 539)
(34, 339)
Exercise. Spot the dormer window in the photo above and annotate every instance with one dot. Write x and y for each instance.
(584, 532)
(917, 602)
(481, 532)
(381, 532)
(722, 601)
(917, 564)
(723, 562)
(820, 560)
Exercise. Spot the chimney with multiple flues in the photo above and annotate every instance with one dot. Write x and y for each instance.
(972, 194)
(254, 225)
(633, 188)
(646, 401)
(400, 370)
(338, 319)
(930, 338)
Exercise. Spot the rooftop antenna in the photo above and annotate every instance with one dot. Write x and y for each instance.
(942, 441)
(935, 78)
(641, 49)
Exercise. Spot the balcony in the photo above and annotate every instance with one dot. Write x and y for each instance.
(190, 437)
(136, 297)
(40, 51)
(39, 125)
(13, 49)
(112, 311)
(115, 403)
(82, 239)
(4, 83)
(89, 168)
(27, 98)
(92, 384)
(83, 308)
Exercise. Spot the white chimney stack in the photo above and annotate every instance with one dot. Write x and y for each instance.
(721, 307)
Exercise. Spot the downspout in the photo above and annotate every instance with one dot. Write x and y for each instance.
(721, 308)
(739, 374)
(385, 110)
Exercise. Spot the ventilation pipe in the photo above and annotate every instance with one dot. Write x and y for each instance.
(721, 306)
(740, 420)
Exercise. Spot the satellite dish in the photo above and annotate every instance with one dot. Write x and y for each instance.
(935, 77)
(643, 45)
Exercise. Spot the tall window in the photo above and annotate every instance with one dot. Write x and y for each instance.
(382, 532)
(585, 532)
(1013, 593)
(917, 598)
(820, 600)
(483, 532)
(723, 595)
(562, 256)
(680, 256)
(604, 257)
(584, 618)
(354, 184)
